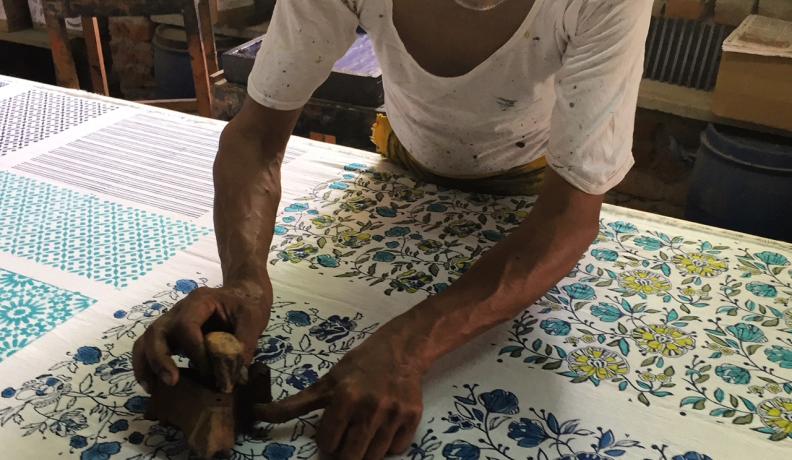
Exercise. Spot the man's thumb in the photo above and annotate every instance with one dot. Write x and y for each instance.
(308, 400)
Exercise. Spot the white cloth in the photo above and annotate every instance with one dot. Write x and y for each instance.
(565, 85)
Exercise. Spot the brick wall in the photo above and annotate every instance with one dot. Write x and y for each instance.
(133, 56)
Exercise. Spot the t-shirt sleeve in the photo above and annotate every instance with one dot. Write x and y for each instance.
(597, 91)
(304, 40)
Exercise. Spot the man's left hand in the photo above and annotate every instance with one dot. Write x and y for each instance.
(372, 400)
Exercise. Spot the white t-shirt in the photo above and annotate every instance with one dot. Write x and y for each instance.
(565, 85)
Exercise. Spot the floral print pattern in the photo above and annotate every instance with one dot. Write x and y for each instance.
(656, 315)
(525, 433)
(647, 315)
(92, 401)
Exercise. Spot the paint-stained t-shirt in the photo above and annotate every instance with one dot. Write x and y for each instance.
(565, 85)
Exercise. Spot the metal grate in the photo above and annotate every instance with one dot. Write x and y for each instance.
(684, 52)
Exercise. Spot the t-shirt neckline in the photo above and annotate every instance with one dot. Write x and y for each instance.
(529, 19)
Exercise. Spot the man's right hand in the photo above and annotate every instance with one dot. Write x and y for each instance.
(244, 312)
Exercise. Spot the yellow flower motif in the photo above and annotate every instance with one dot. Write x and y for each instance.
(788, 317)
(773, 388)
(597, 362)
(663, 339)
(587, 339)
(322, 221)
(700, 264)
(662, 378)
(353, 239)
(776, 413)
(646, 376)
(689, 291)
(755, 389)
(725, 351)
(644, 282)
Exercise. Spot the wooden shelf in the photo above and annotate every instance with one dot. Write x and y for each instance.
(33, 37)
(30, 37)
(690, 103)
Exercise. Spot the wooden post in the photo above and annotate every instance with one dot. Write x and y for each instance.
(198, 59)
(96, 63)
(65, 69)
(207, 36)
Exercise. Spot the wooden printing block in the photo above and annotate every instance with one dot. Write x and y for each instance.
(210, 418)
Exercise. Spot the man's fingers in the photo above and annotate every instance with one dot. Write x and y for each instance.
(143, 373)
(357, 439)
(308, 400)
(404, 436)
(382, 441)
(190, 339)
(333, 425)
(248, 330)
(159, 356)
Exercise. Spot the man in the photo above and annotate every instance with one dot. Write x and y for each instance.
(478, 93)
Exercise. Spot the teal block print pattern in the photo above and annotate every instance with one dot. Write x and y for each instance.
(85, 235)
(661, 318)
(30, 308)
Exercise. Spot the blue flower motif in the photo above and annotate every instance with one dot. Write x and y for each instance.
(556, 327)
(605, 255)
(384, 256)
(772, 258)
(416, 236)
(761, 289)
(747, 333)
(492, 235)
(607, 313)
(386, 212)
(119, 314)
(328, 261)
(278, 451)
(296, 207)
(136, 404)
(650, 244)
(392, 244)
(623, 227)
(733, 374)
(440, 287)
(461, 450)
(527, 433)
(348, 176)
(281, 230)
(377, 238)
(101, 451)
(119, 425)
(356, 167)
(88, 355)
(303, 377)
(78, 442)
(437, 207)
(333, 329)
(273, 349)
(8, 393)
(691, 456)
(136, 438)
(580, 291)
(288, 219)
(397, 231)
(298, 318)
(500, 402)
(339, 186)
(185, 286)
(780, 355)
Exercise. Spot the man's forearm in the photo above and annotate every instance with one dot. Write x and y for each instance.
(511, 276)
(247, 192)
